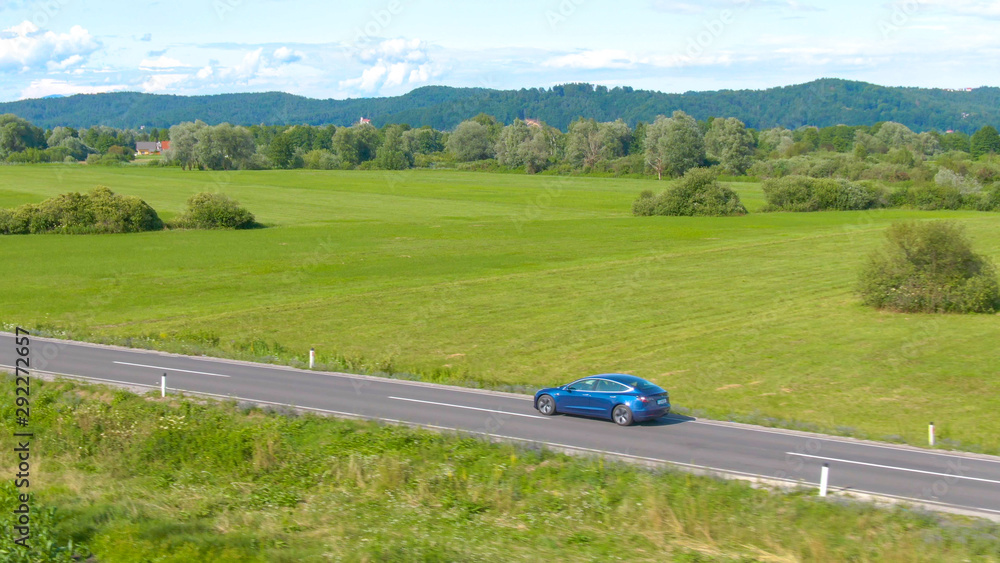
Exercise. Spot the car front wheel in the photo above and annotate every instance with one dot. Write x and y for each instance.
(622, 415)
(546, 405)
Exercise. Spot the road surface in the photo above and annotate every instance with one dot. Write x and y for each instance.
(950, 481)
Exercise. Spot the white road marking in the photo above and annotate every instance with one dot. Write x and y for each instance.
(469, 408)
(172, 369)
(953, 475)
(846, 441)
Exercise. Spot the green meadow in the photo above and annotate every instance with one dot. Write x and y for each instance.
(515, 281)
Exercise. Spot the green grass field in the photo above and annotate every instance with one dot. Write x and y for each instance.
(520, 280)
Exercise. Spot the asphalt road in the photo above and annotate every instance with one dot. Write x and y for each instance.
(937, 479)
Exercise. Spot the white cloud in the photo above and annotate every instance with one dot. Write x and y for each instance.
(369, 80)
(24, 46)
(51, 87)
(605, 58)
(392, 63)
(161, 82)
(248, 67)
(169, 74)
(420, 74)
(65, 64)
(394, 49)
(23, 29)
(287, 56)
(161, 62)
(397, 74)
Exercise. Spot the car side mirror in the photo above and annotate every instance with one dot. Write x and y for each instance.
(569, 389)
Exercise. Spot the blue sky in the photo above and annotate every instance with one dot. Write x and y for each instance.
(370, 48)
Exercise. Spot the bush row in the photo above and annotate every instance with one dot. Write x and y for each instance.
(900, 169)
(803, 193)
(100, 211)
(842, 166)
(103, 211)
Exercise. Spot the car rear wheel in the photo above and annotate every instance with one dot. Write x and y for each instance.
(622, 415)
(547, 405)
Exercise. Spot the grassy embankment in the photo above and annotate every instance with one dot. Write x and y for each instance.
(510, 280)
(133, 479)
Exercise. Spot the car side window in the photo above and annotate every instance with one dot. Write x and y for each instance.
(582, 385)
(610, 386)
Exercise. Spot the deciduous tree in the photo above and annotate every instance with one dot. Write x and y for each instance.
(729, 143)
(985, 141)
(471, 141)
(674, 145)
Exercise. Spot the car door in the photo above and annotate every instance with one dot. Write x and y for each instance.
(605, 396)
(577, 398)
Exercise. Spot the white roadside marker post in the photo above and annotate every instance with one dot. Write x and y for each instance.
(824, 479)
(163, 385)
(930, 435)
(312, 357)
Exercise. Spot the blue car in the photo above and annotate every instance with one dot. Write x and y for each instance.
(622, 398)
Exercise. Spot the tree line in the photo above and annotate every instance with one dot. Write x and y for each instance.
(668, 146)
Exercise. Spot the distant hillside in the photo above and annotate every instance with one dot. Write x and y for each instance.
(822, 103)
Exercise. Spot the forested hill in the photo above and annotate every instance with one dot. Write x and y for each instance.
(822, 103)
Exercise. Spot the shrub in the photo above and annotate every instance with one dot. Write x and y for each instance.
(109, 159)
(697, 193)
(215, 211)
(928, 197)
(29, 156)
(434, 160)
(827, 167)
(487, 165)
(800, 193)
(320, 159)
(122, 214)
(766, 169)
(987, 170)
(986, 200)
(631, 164)
(929, 268)
(887, 172)
(100, 211)
(950, 179)
(645, 204)
(956, 161)
(257, 161)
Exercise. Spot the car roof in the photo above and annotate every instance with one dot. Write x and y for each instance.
(625, 378)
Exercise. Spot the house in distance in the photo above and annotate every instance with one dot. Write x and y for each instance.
(144, 148)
